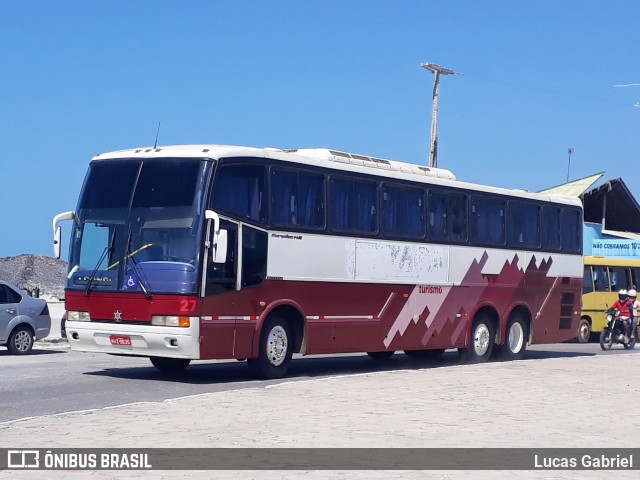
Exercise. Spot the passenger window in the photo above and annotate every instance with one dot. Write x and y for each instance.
(297, 198)
(601, 279)
(458, 217)
(487, 221)
(239, 190)
(402, 213)
(524, 225)
(587, 280)
(438, 209)
(619, 277)
(353, 206)
(571, 231)
(551, 228)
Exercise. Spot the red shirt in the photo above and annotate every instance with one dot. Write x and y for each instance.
(625, 308)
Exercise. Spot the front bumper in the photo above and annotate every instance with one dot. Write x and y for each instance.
(146, 340)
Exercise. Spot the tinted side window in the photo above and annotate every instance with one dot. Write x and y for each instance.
(587, 280)
(297, 198)
(458, 217)
(551, 228)
(7, 295)
(619, 278)
(13, 296)
(635, 277)
(402, 211)
(353, 206)
(239, 190)
(571, 231)
(437, 215)
(523, 225)
(254, 256)
(487, 221)
(601, 279)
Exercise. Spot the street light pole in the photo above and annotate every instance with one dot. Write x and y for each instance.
(437, 70)
(569, 151)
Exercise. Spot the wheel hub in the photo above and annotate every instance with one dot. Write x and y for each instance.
(515, 337)
(481, 340)
(277, 345)
(22, 341)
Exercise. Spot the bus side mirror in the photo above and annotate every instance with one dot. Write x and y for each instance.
(57, 233)
(216, 240)
(219, 254)
(56, 242)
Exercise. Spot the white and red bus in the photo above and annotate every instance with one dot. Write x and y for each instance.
(202, 252)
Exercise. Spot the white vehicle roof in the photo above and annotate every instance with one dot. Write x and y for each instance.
(334, 159)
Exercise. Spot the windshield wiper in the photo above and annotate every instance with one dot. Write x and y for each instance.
(139, 273)
(107, 250)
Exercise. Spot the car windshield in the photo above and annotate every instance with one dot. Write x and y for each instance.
(138, 226)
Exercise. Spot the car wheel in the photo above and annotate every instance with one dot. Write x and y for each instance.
(21, 340)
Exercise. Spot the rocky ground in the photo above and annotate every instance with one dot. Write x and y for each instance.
(32, 271)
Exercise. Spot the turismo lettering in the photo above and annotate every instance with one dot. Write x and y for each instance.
(430, 289)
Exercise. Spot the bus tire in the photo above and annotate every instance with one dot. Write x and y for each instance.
(515, 342)
(170, 365)
(584, 331)
(481, 341)
(21, 340)
(425, 354)
(275, 349)
(381, 356)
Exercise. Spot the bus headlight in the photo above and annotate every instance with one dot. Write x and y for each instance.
(170, 321)
(76, 316)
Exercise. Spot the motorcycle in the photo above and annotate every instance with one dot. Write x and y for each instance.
(614, 331)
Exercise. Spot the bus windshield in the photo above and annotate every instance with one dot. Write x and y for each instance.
(139, 225)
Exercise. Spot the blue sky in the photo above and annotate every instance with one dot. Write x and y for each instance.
(79, 78)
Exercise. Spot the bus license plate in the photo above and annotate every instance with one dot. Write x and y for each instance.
(120, 340)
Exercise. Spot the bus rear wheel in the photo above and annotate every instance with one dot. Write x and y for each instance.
(275, 349)
(481, 343)
(516, 342)
(170, 365)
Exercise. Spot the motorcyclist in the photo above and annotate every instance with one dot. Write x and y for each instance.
(625, 311)
(636, 309)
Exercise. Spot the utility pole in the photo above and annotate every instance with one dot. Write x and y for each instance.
(569, 151)
(437, 70)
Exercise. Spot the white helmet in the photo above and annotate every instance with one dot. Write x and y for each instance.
(632, 293)
(623, 294)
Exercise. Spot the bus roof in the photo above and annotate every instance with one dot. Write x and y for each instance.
(333, 159)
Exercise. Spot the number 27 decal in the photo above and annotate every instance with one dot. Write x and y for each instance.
(187, 305)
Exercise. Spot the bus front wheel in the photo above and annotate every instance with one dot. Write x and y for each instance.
(481, 341)
(170, 365)
(275, 350)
